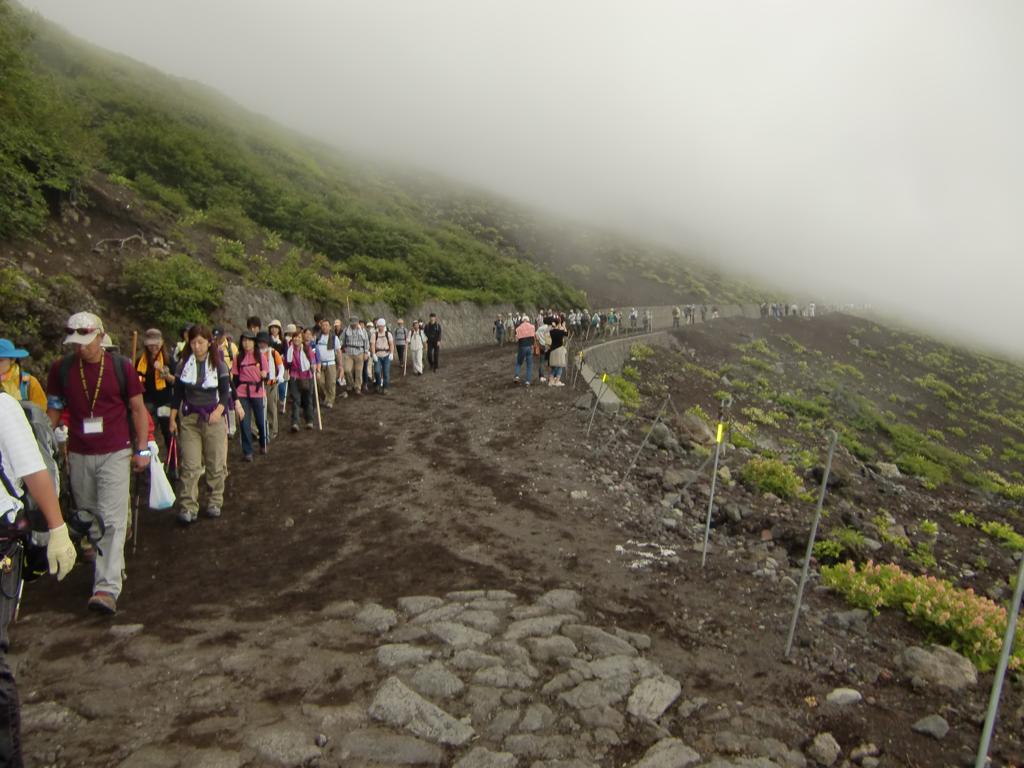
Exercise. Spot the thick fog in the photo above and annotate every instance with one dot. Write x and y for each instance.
(851, 151)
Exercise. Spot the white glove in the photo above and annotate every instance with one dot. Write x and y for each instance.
(61, 434)
(60, 552)
(391, 357)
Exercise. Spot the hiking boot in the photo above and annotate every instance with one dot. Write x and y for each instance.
(515, 380)
(103, 602)
(329, 405)
(247, 457)
(185, 517)
(295, 427)
(310, 425)
(213, 511)
(527, 384)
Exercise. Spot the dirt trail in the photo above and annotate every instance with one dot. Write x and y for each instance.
(457, 480)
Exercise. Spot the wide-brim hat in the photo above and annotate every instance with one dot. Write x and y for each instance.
(273, 323)
(11, 352)
(247, 335)
(82, 328)
(153, 336)
(292, 329)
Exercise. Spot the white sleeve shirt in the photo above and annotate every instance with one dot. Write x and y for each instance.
(21, 455)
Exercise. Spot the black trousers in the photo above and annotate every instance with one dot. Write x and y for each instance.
(10, 711)
(432, 350)
(400, 349)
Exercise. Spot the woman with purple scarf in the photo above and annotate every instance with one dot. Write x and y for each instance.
(202, 392)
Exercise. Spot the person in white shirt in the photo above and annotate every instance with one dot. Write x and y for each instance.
(328, 351)
(22, 467)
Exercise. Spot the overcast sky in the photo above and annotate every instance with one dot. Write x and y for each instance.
(863, 150)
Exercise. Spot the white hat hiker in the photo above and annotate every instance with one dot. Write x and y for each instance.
(82, 328)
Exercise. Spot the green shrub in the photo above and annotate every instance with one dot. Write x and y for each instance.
(856, 447)
(625, 390)
(847, 370)
(630, 373)
(230, 255)
(172, 291)
(971, 624)
(965, 519)
(771, 476)
(938, 387)
(1005, 534)
(641, 352)
(815, 409)
(828, 550)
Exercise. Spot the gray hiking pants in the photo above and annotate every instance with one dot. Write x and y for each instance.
(100, 484)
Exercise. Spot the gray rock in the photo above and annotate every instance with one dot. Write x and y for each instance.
(485, 621)
(652, 697)
(500, 594)
(695, 429)
(668, 753)
(938, 666)
(400, 707)
(342, 609)
(441, 613)
(458, 635)
(669, 523)
(125, 630)
(584, 402)
(375, 619)
(888, 471)
(502, 677)
(592, 694)
(933, 725)
(603, 718)
(530, 745)
(537, 717)
(690, 707)
(436, 682)
(561, 599)
(471, 660)
(540, 626)
(379, 745)
(502, 724)
(465, 595)
(864, 750)
(579, 495)
(662, 437)
(47, 716)
(483, 703)
(544, 649)
(414, 606)
(396, 655)
(844, 696)
(282, 743)
(637, 640)
(824, 750)
(597, 642)
(480, 757)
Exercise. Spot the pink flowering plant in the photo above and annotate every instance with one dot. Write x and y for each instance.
(969, 623)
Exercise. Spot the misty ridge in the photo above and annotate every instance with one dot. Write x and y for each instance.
(845, 152)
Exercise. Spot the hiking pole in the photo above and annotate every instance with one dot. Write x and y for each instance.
(405, 361)
(714, 477)
(810, 542)
(647, 437)
(135, 344)
(1012, 614)
(135, 513)
(597, 401)
(316, 399)
(577, 369)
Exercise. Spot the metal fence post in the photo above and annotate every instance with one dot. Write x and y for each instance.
(647, 437)
(597, 402)
(810, 542)
(722, 410)
(997, 684)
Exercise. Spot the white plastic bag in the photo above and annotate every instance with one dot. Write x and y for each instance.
(161, 494)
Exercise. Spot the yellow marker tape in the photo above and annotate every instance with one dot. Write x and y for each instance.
(720, 427)
(604, 377)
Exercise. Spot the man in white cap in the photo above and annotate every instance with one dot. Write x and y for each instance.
(100, 392)
(354, 347)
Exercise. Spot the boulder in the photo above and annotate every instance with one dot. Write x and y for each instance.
(400, 707)
(888, 471)
(824, 750)
(933, 725)
(693, 428)
(939, 667)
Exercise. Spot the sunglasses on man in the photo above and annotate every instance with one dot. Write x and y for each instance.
(80, 331)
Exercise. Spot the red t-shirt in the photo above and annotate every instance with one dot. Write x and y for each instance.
(109, 406)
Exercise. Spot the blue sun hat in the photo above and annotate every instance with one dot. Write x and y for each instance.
(9, 351)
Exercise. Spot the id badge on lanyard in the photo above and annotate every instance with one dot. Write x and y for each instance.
(92, 426)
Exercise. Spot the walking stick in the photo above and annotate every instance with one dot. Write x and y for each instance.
(172, 455)
(135, 345)
(136, 495)
(405, 361)
(316, 398)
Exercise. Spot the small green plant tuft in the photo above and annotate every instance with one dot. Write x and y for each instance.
(771, 476)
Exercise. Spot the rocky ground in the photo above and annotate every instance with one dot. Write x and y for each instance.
(457, 575)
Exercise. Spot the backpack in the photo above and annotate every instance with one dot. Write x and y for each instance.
(49, 449)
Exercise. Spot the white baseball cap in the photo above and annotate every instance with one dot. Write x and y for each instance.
(82, 328)
(382, 321)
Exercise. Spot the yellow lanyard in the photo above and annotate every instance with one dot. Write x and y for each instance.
(99, 383)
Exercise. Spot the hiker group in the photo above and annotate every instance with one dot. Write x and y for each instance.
(687, 314)
(103, 412)
(776, 310)
(581, 323)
